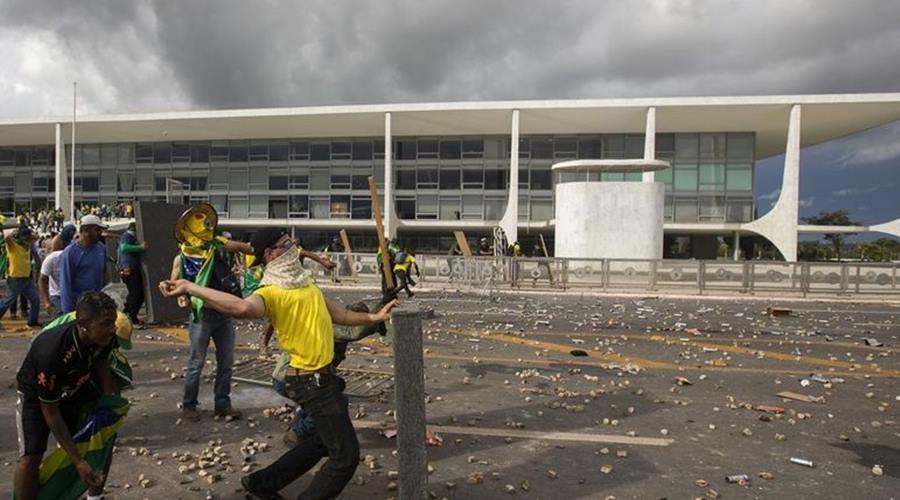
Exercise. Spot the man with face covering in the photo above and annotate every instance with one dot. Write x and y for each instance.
(303, 318)
(82, 266)
(65, 367)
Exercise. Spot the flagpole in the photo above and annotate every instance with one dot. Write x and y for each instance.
(72, 199)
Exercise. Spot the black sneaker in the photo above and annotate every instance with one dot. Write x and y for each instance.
(261, 494)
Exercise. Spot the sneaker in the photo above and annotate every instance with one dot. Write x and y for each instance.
(191, 414)
(229, 412)
(35, 325)
(257, 493)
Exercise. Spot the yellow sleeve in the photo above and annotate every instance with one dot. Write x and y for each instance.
(270, 298)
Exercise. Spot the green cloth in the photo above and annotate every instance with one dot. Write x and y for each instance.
(130, 248)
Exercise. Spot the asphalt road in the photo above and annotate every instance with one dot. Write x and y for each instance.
(518, 411)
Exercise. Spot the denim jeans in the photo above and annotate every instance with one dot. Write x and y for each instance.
(221, 331)
(335, 438)
(26, 287)
(303, 424)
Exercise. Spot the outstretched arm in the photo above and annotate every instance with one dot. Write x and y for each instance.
(251, 307)
(238, 247)
(322, 261)
(343, 316)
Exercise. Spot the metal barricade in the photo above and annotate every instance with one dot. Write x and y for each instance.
(686, 276)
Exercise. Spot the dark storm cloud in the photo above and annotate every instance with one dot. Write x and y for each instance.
(134, 56)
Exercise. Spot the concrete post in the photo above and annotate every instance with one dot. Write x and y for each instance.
(650, 142)
(510, 220)
(737, 245)
(409, 382)
(61, 193)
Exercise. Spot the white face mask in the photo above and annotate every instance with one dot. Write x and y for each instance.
(286, 271)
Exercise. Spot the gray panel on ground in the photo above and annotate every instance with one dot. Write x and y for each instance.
(155, 225)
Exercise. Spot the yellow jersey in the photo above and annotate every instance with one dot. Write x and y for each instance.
(302, 324)
(19, 260)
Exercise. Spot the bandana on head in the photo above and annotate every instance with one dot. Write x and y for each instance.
(286, 271)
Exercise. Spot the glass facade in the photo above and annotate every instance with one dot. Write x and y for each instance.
(435, 178)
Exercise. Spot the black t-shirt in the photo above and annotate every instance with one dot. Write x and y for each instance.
(58, 364)
(223, 280)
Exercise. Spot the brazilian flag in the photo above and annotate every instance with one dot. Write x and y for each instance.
(98, 423)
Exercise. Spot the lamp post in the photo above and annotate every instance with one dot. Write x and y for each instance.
(72, 199)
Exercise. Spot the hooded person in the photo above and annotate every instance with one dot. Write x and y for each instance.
(302, 317)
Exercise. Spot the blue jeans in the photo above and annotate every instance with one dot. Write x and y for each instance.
(303, 424)
(221, 331)
(26, 287)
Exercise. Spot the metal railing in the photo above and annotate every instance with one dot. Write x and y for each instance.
(678, 276)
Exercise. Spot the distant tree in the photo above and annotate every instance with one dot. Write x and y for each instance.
(880, 250)
(836, 218)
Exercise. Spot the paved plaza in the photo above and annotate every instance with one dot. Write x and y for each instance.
(553, 396)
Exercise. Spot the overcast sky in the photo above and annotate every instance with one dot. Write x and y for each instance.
(136, 56)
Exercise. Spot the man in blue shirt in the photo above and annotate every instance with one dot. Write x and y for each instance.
(82, 265)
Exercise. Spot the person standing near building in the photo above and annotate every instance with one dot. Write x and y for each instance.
(129, 261)
(405, 262)
(82, 265)
(484, 248)
(203, 259)
(19, 244)
(48, 281)
(303, 318)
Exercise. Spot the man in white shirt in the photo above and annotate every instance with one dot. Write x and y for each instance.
(48, 282)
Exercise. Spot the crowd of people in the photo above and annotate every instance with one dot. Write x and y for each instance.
(73, 364)
(45, 221)
(76, 361)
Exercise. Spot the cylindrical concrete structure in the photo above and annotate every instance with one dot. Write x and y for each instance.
(617, 220)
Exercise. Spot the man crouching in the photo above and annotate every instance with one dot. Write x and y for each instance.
(302, 318)
(65, 368)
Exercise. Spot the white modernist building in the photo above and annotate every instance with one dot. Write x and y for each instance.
(472, 166)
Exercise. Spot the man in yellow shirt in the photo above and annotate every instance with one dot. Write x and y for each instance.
(21, 282)
(302, 318)
(404, 262)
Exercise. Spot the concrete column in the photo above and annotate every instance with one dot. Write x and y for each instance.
(780, 224)
(388, 208)
(737, 245)
(409, 383)
(510, 220)
(61, 194)
(650, 142)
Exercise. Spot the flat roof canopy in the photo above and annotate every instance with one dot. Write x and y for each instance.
(824, 117)
(635, 165)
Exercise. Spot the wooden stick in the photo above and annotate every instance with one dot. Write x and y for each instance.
(538, 435)
(543, 245)
(346, 241)
(463, 243)
(379, 230)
